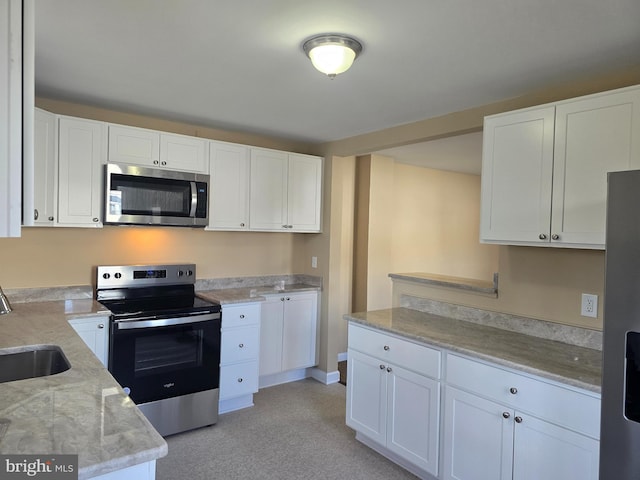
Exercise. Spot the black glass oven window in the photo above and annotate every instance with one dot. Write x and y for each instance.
(165, 352)
(632, 377)
(153, 196)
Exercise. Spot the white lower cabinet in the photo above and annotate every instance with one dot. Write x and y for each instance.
(510, 426)
(239, 352)
(94, 331)
(391, 398)
(288, 335)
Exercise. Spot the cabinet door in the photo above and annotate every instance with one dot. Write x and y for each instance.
(229, 195)
(517, 168)
(138, 146)
(80, 166)
(10, 117)
(93, 332)
(593, 136)
(478, 439)
(413, 417)
(271, 335)
(268, 190)
(184, 153)
(304, 195)
(299, 331)
(45, 169)
(544, 450)
(367, 396)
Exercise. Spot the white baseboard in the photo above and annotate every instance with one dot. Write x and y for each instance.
(325, 377)
(231, 404)
(342, 357)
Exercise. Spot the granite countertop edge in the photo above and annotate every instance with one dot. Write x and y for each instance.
(587, 378)
(93, 417)
(230, 296)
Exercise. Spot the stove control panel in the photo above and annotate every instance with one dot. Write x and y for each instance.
(126, 276)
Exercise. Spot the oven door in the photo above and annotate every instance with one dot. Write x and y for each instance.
(162, 358)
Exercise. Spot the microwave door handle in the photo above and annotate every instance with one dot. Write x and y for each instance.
(194, 199)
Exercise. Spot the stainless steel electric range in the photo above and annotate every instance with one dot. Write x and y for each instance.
(164, 343)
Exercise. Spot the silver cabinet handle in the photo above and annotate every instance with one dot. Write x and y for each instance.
(506, 414)
(242, 315)
(386, 348)
(518, 419)
(513, 390)
(241, 345)
(155, 162)
(163, 163)
(288, 298)
(389, 369)
(101, 325)
(542, 236)
(242, 224)
(95, 219)
(35, 214)
(282, 299)
(382, 367)
(555, 236)
(51, 218)
(240, 380)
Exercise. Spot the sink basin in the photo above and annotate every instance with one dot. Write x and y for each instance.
(30, 362)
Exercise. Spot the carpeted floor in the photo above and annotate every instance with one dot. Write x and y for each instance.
(294, 431)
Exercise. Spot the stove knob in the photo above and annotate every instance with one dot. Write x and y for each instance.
(106, 276)
(180, 273)
(189, 273)
(118, 275)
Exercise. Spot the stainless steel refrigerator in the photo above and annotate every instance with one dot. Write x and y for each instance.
(620, 420)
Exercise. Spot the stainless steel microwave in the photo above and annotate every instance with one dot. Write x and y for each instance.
(149, 196)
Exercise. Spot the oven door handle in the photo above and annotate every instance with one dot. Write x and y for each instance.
(164, 322)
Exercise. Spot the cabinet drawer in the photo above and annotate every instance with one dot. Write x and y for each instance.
(240, 315)
(239, 344)
(397, 351)
(560, 405)
(238, 379)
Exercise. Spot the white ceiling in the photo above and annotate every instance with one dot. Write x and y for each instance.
(239, 65)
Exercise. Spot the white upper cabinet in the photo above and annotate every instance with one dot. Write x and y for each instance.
(229, 186)
(285, 191)
(150, 148)
(11, 59)
(81, 156)
(544, 169)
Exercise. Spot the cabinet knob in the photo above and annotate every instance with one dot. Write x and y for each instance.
(242, 316)
(163, 163)
(288, 298)
(155, 162)
(240, 380)
(518, 419)
(555, 236)
(542, 236)
(101, 325)
(241, 345)
(386, 348)
(513, 390)
(242, 224)
(389, 369)
(35, 214)
(382, 367)
(282, 299)
(51, 218)
(506, 414)
(95, 219)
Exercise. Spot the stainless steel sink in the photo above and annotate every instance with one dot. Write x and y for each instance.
(30, 362)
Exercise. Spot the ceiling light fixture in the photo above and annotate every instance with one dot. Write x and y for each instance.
(332, 53)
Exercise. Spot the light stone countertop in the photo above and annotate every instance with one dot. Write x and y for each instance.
(81, 411)
(228, 296)
(558, 361)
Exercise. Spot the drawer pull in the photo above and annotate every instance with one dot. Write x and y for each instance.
(518, 419)
(240, 380)
(241, 345)
(382, 367)
(506, 414)
(242, 316)
(101, 325)
(386, 348)
(513, 390)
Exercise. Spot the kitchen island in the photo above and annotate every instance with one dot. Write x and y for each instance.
(80, 411)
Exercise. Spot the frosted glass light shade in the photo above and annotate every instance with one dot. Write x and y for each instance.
(332, 54)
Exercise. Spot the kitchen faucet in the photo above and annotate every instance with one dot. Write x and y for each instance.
(5, 306)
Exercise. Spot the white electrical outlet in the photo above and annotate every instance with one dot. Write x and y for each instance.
(589, 306)
(314, 262)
